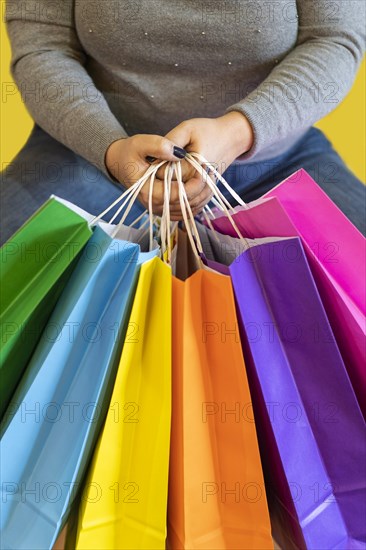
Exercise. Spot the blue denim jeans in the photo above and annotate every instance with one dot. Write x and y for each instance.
(44, 167)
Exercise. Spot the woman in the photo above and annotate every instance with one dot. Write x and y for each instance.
(111, 84)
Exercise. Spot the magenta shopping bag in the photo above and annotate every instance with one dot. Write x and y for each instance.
(336, 251)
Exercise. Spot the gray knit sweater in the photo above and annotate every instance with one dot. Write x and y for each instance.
(92, 71)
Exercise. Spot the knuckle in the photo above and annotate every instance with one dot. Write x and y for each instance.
(156, 201)
(164, 145)
(143, 196)
(185, 124)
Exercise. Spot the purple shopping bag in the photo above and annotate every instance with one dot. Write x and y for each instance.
(310, 427)
(336, 252)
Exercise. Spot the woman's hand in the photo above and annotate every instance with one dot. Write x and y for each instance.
(127, 161)
(220, 140)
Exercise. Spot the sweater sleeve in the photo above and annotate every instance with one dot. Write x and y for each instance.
(313, 78)
(48, 66)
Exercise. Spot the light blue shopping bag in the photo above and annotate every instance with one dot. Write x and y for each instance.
(51, 426)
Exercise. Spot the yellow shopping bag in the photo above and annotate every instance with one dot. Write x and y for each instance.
(124, 503)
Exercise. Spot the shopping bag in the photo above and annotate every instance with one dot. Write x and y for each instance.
(217, 497)
(336, 252)
(35, 266)
(51, 425)
(124, 503)
(310, 427)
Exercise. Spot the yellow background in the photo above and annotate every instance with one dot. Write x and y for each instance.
(345, 126)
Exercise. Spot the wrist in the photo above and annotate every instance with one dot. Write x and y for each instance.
(113, 156)
(240, 131)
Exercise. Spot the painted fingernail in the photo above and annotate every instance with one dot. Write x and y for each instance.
(179, 152)
(150, 159)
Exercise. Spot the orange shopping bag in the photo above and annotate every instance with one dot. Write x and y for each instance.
(217, 497)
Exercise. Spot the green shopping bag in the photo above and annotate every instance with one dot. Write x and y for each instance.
(35, 265)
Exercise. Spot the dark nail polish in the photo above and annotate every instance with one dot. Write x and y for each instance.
(150, 159)
(179, 152)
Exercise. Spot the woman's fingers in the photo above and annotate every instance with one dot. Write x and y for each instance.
(197, 191)
(196, 205)
(201, 200)
(157, 147)
(194, 187)
(187, 171)
(158, 193)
